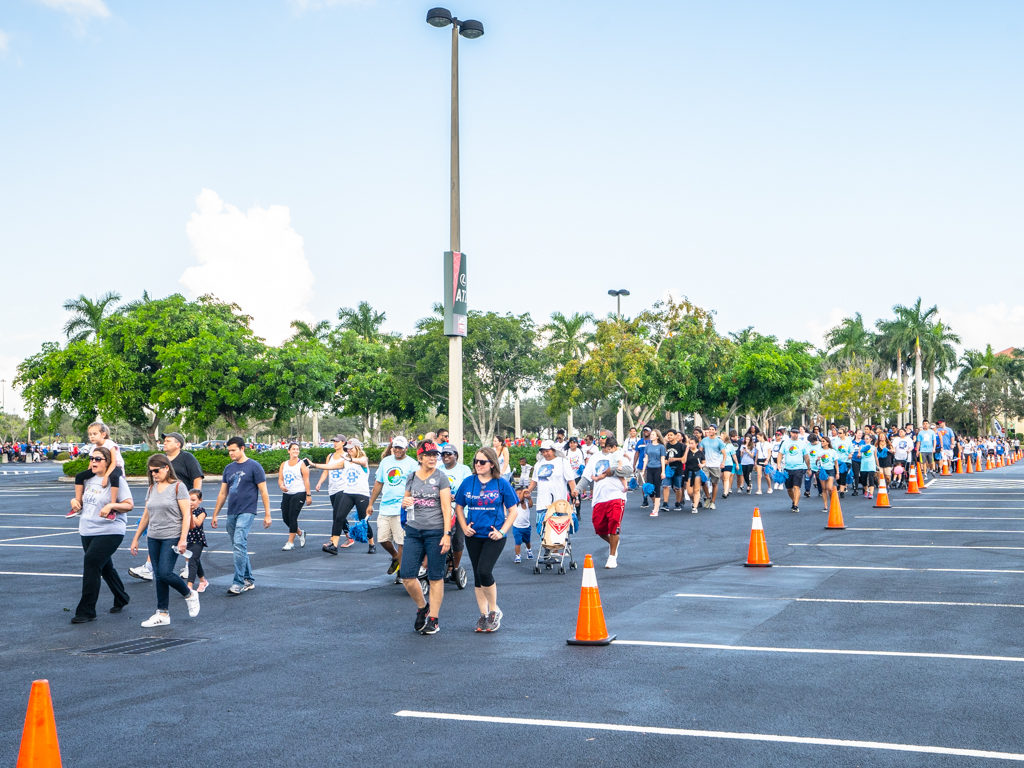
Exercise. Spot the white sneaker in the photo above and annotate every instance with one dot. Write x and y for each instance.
(758, 491)
(712, 505)
(144, 572)
(612, 562)
(183, 572)
(302, 538)
(288, 546)
(192, 602)
(157, 620)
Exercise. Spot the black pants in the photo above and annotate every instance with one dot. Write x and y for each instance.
(747, 469)
(342, 504)
(97, 563)
(195, 568)
(291, 505)
(653, 476)
(484, 554)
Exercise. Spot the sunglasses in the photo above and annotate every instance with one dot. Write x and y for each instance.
(154, 470)
(97, 458)
(481, 461)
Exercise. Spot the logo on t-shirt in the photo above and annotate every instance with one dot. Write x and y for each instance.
(395, 476)
(601, 466)
(352, 476)
(545, 471)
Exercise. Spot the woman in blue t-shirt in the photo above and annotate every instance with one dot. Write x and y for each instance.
(855, 456)
(486, 506)
(868, 465)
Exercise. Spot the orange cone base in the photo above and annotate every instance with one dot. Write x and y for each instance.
(758, 565)
(606, 641)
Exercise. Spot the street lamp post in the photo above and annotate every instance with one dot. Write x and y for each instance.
(620, 426)
(471, 29)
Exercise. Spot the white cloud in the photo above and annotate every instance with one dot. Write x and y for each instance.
(254, 259)
(5, 40)
(999, 324)
(79, 8)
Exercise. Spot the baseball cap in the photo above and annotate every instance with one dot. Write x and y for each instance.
(338, 439)
(794, 429)
(399, 442)
(547, 445)
(426, 448)
(176, 435)
(646, 429)
(353, 443)
(941, 421)
(449, 448)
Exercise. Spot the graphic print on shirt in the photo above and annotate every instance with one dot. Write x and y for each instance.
(395, 476)
(601, 466)
(545, 471)
(290, 477)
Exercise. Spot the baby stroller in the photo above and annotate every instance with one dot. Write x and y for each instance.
(899, 478)
(555, 528)
(452, 575)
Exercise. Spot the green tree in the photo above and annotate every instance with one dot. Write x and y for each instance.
(940, 357)
(499, 357)
(850, 344)
(858, 395)
(916, 322)
(88, 316)
(568, 338)
(364, 320)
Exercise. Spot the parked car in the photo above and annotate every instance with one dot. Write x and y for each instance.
(211, 445)
(136, 447)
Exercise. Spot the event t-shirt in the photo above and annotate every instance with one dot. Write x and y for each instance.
(552, 478)
(728, 456)
(484, 503)
(610, 488)
(291, 476)
(653, 454)
(336, 473)
(868, 456)
(712, 447)
(164, 512)
(901, 448)
(456, 475)
(826, 459)
(814, 451)
(242, 480)
(187, 469)
(392, 475)
(426, 513)
(577, 461)
(793, 453)
(94, 498)
(926, 438)
(355, 479)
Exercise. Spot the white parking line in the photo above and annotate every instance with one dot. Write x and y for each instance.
(905, 546)
(864, 602)
(818, 651)
(931, 517)
(37, 536)
(32, 573)
(937, 530)
(121, 549)
(902, 568)
(730, 735)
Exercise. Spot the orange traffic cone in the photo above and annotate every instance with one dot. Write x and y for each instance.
(970, 465)
(945, 468)
(39, 748)
(920, 477)
(979, 468)
(590, 626)
(757, 553)
(912, 483)
(960, 465)
(835, 513)
(882, 499)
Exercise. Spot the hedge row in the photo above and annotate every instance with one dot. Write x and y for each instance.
(213, 462)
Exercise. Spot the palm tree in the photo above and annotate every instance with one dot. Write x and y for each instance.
(364, 320)
(917, 322)
(569, 338)
(88, 316)
(850, 343)
(940, 356)
(305, 332)
(893, 343)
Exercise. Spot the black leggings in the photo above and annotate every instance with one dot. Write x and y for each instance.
(195, 568)
(483, 554)
(652, 475)
(291, 505)
(342, 504)
(747, 469)
(97, 565)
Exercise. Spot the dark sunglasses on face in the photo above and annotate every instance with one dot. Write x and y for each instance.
(96, 458)
(481, 461)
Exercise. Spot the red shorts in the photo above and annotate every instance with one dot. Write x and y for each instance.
(607, 517)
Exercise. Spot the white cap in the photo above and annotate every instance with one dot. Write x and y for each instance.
(399, 442)
(547, 445)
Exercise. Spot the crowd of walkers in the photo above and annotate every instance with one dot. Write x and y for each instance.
(433, 508)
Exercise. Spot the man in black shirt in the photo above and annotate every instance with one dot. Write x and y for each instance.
(674, 467)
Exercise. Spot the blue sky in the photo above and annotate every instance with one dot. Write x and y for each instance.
(783, 163)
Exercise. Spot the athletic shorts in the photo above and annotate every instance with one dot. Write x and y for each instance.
(947, 454)
(795, 477)
(389, 528)
(927, 456)
(714, 473)
(521, 535)
(607, 517)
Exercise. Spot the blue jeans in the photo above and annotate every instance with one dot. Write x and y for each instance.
(163, 555)
(417, 544)
(238, 529)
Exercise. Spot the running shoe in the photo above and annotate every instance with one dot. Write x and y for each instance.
(395, 562)
(183, 572)
(288, 546)
(678, 506)
(711, 505)
(758, 493)
(234, 589)
(348, 543)
(653, 514)
(330, 548)
(249, 584)
(372, 550)
(769, 489)
(192, 603)
(422, 572)
(612, 562)
(529, 554)
(431, 627)
(157, 620)
(144, 572)
(807, 494)
(493, 621)
(481, 623)
(302, 538)
(693, 510)
(644, 504)
(421, 618)
(517, 559)
(72, 513)
(795, 509)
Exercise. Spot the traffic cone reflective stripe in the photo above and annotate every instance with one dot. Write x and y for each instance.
(835, 513)
(39, 748)
(590, 626)
(912, 483)
(757, 552)
(945, 468)
(882, 499)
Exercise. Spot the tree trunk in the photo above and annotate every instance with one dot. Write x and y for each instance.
(918, 375)
(519, 422)
(903, 390)
(571, 427)
(316, 429)
(931, 392)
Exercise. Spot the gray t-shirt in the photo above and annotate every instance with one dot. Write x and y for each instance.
(426, 514)
(654, 453)
(94, 498)
(164, 512)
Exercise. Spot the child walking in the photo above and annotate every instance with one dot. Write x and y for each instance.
(196, 541)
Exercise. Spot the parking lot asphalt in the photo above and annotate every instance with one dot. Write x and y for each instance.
(894, 642)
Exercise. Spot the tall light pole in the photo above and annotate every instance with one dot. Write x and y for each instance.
(3, 395)
(620, 425)
(455, 264)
